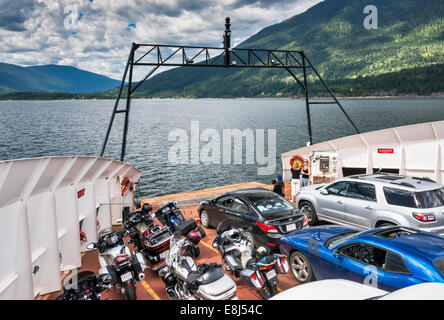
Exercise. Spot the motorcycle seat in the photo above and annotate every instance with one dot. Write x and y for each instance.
(195, 278)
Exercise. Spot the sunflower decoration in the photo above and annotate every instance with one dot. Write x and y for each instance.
(297, 162)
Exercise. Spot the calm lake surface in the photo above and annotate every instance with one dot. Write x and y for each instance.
(49, 128)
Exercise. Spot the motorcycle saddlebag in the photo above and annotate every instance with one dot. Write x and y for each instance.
(221, 289)
(185, 227)
(282, 265)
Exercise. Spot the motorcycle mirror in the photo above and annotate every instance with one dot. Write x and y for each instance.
(91, 246)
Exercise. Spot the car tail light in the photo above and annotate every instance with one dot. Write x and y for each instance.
(267, 227)
(424, 217)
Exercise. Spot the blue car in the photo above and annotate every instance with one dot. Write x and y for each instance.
(388, 258)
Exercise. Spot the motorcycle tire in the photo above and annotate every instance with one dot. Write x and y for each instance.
(195, 252)
(268, 291)
(130, 293)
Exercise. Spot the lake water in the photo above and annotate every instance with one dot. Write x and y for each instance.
(49, 128)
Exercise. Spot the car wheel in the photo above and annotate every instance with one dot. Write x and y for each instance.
(300, 267)
(309, 211)
(205, 218)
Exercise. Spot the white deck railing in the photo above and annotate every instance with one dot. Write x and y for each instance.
(414, 150)
(45, 203)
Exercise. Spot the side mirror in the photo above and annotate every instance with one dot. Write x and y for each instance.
(91, 246)
(337, 255)
(119, 220)
(324, 192)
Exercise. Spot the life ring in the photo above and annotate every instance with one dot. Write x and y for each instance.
(124, 185)
(299, 162)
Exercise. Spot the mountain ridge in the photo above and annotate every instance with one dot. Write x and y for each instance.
(410, 35)
(52, 78)
(404, 56)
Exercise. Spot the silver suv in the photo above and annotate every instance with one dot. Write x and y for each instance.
(376, 200)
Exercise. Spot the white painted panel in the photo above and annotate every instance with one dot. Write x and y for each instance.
(68, 227)
(421, 155)
(44, 242)
(15, 265)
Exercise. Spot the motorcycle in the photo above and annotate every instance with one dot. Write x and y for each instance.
(116, 260)
(170, 216)
(257, 266)
(185, 280)
(87, 287)
(149, 239)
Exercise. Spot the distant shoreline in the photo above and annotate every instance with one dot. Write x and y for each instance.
(439, 95)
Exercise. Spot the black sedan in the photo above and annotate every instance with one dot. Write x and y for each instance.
(265, 215)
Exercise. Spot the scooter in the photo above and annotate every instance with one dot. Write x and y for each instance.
(257, 266)
(185, 280)
(149, 239)
(170, 215)
(87, 287)
(116, 260)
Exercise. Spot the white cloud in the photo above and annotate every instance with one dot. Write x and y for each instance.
(34, 32)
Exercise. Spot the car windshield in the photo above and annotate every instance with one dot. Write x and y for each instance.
(271, 204)
(341, 238)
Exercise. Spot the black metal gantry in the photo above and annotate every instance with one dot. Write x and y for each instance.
(154, 55)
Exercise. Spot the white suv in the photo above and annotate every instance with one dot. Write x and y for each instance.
(376, 200)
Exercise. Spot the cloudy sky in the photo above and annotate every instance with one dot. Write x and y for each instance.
(96, 35)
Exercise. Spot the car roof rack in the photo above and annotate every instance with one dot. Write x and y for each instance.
(424, 179)
(403, 183)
